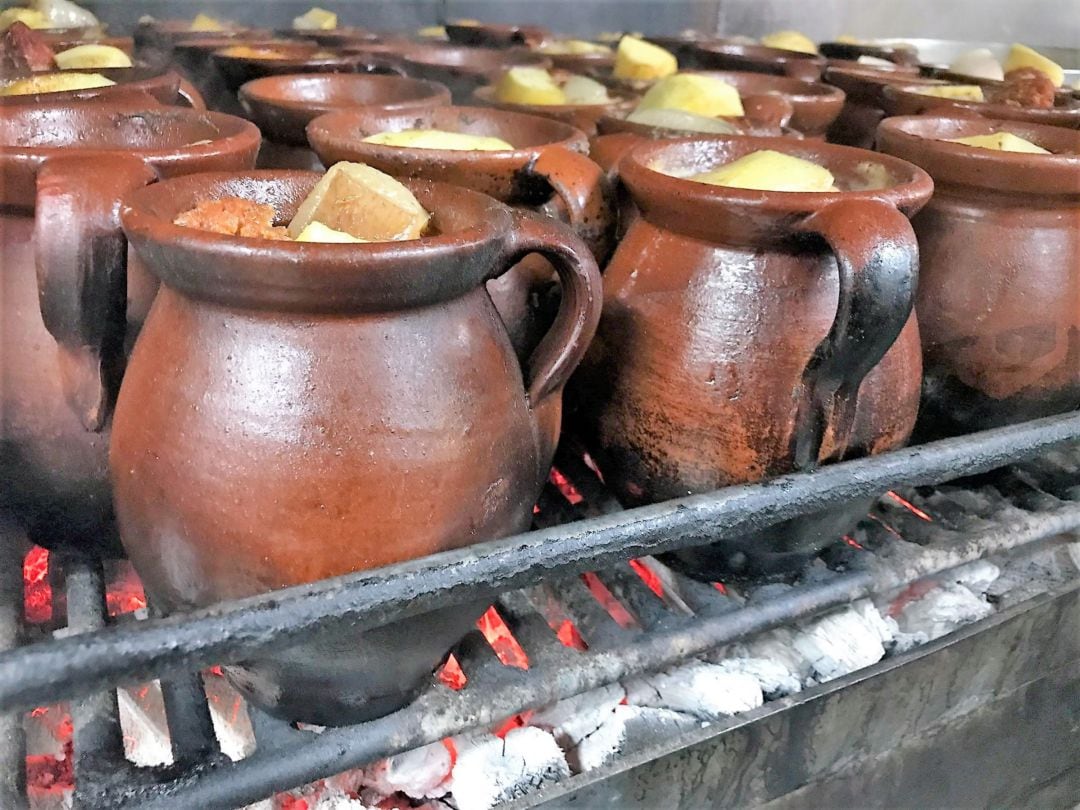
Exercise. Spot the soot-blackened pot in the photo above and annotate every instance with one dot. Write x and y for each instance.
(999, 292)
(297, 411)
(748, 334)
(70, 301)
(546, 171)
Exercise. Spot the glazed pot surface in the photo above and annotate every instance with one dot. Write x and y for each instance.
(999, 298)
(68, 305)
(721, 306)
(357, 406)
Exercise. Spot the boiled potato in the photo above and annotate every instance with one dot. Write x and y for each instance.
(682, 121)
(54, 83)
(362, 202)
(29, 17)
(315, 231)
(1002, 142)
(439, 139)
(770, 171)
(529, 85)
(204, 22)
(790, 41)
(583, 90)
(432, 32)
(980, 63)
(88, 57)
(317, 19)
(1021, 56)
(637, 59)
(573, 47)
(958, 92)
(693, 93)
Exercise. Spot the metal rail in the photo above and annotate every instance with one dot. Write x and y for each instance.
(88, 663)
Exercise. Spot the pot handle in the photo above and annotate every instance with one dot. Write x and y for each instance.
(191, 96)
(565, 343)
(877, 258)
(586, 192)
(82, 268)
(767, 110)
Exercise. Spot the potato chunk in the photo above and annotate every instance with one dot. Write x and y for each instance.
(204, 22)
(89, 57)
(317, 232)
(439, 139)
(583, 90)
(55, 83)
(770, 171)
(1002, 142)
(362, 202)
(317, 19)
(683, 121)
(574, 47)
(790, 41)
(1021, 56)
(957, 92)
(637, 59)
(529, 85)
(693, 93)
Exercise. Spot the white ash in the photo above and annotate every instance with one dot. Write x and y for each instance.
(840, 642)
(622, 730)
(703, 690)
(423, 773)
(228, 713)
(977, 576)
(884, 625)
(774, 645)
(1074, 553)
(145, 729)
(773, 677)
(942, 610)
(575, 718)
(490, 771)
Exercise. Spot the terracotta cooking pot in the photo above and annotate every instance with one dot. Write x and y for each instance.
(356, 405)
(155, 39)
(747, 334)
(60, 39)
(580, 116)
(463, 69)
(292, 56)
(905, 99)
(864, 102)
(547, 171)
(194, 59)
(495, 35)
(814, 105)
(851, 51)
(63, 170)
(999, 294)
(333, 38)
(282, 106)
(758, 59)
(583, 64)
(163, 86)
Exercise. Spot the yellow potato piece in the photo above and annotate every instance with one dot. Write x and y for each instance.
(439, 139)
(848, 39)
(790, 41)
(1002, 142)
(583, 90)
(432, 32)
(528, 85)
(1021, 56)
(958, 92)
(29, 17)
(55, 83)
(575, 47)
(363, 202)
(317, 232)
(88, 57)
(692, 93)
(770, 171)
(317, 19)
(637, 59)
(680, 120)
(204, 22)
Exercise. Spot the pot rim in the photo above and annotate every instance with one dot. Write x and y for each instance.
(909, 91)
(262, 91)
(911, 138)
(704, 211)
(485, 94)
(313, 276)
(797, 90)
(500, 58)
(333, 59)
(759, 52)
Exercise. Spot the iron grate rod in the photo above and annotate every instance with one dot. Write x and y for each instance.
(12, 735)
(78, 666)
(439, 713)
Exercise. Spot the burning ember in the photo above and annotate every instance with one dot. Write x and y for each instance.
(606, 598)
(452, 675)
(502, 641)
(648, 577)
(36, 589)
(919, 513)
(568, 490)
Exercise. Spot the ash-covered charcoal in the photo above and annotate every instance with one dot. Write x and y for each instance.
(976, 576)
(422, 773)
(775, 678)
(705, 691)
(490, 770)
(573, 719)
(626, 729)
(942, 610)
(146, 730)
(841, 642)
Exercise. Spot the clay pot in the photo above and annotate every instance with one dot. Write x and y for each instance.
(999, 291)
(594, 65)
(333, 38)
(155, 39)
(63, 170)
(748, 334)
(547, 171)
(194, 60)
(494, 35)
(60, 39)
(165, 87)
(683, 46)
(463, 69)
(355, 406)
(282, 106)
(864, 102)
(292, 56)
(851, 51)
(758, 59)
(381, 57)
(580, 116)
(905, 99)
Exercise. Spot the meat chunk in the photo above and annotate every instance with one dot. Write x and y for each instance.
(234, 216)
(1027, 87)
(22, 49)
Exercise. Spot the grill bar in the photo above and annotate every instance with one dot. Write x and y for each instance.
(79, 666)
(559, 673)
(12, 738)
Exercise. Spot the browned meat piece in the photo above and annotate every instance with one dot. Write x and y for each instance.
(234, 216)
(22, 48)
(1025, 87)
